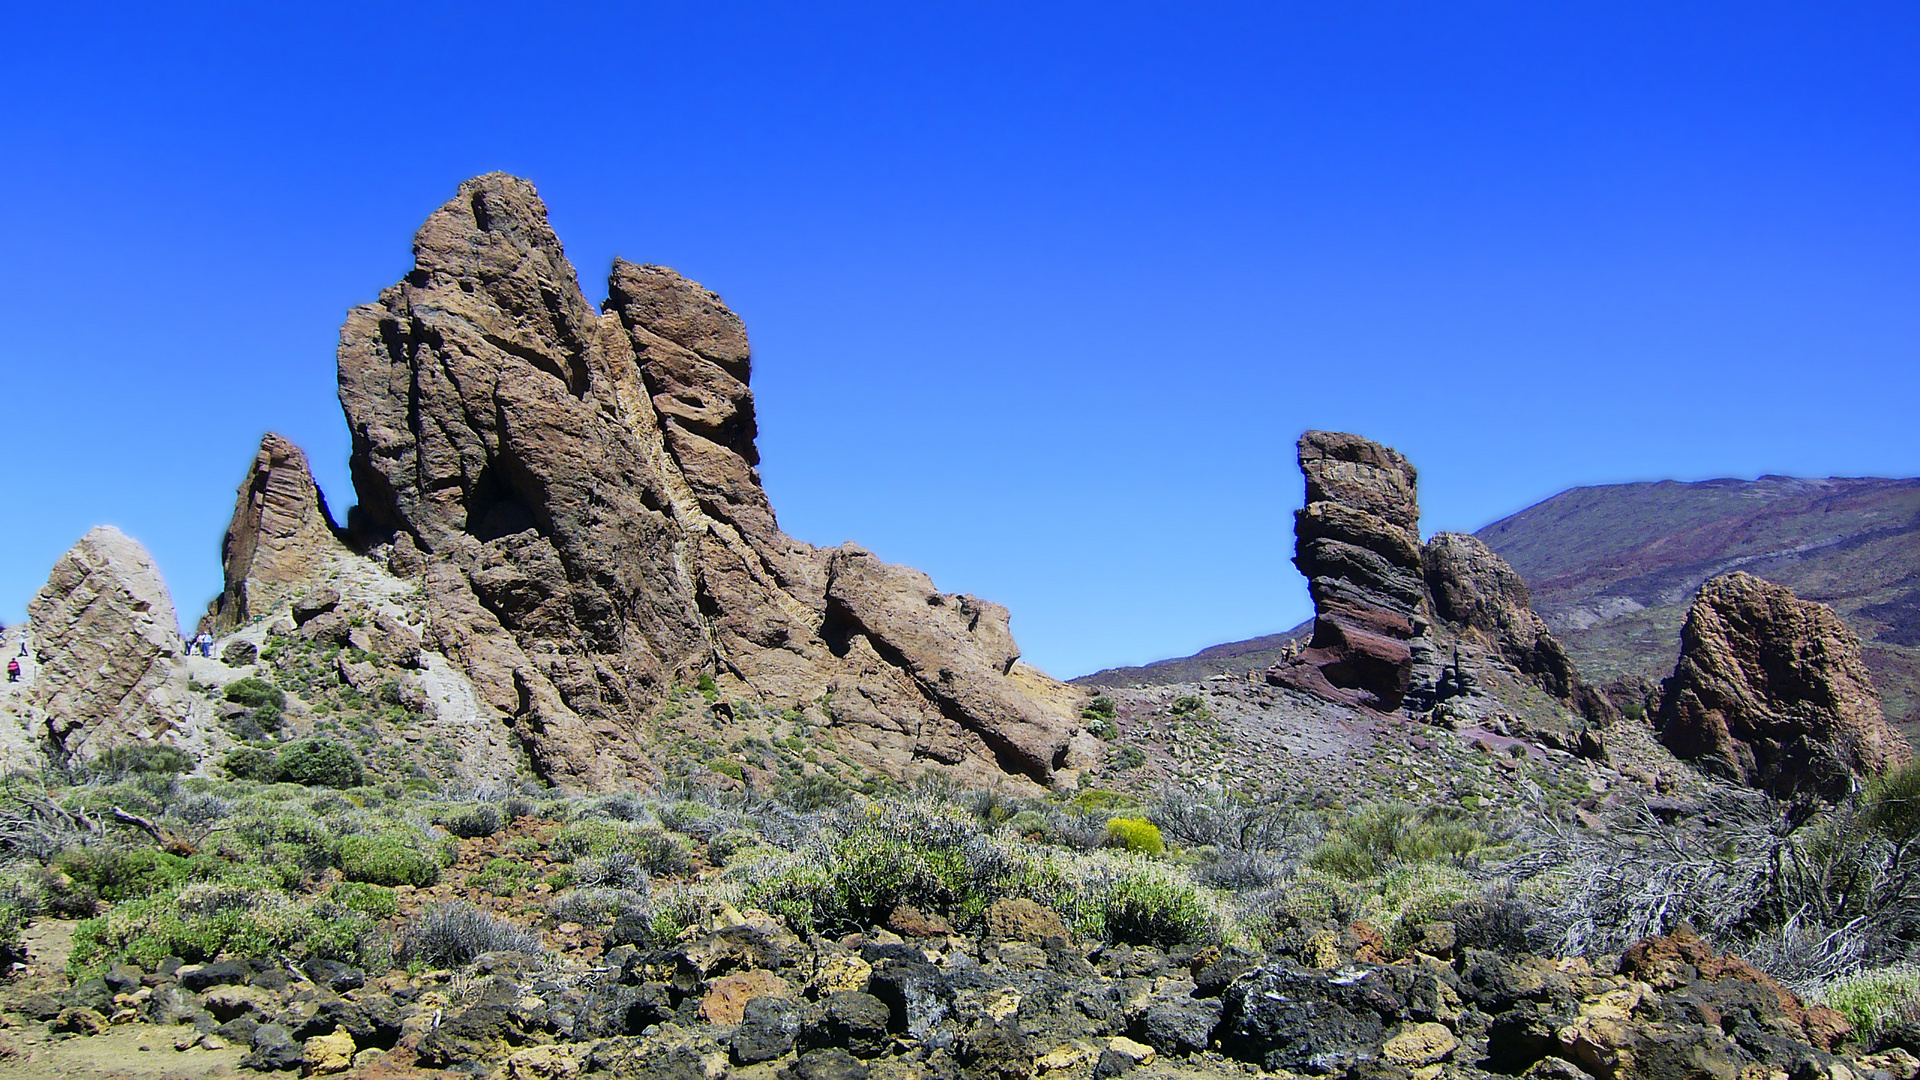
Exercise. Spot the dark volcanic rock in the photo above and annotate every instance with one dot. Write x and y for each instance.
(1358, 542)
(1771, 690)
(577, 490)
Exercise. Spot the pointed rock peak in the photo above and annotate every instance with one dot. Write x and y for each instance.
(662, 302)
(120, 570)
(104, 632)
(1772, 689)
(280, 537)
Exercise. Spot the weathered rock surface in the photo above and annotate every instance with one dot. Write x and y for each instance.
(577, 491)
(1771, 690)
(1476, 593)
(105, 640)
(1357, 540)
(280, 538)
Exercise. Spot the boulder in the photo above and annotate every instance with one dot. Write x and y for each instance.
(281, 536)
(107, 642)
(1771, 691)
(576, 492)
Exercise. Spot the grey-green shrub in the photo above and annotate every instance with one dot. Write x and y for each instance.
(455, 934)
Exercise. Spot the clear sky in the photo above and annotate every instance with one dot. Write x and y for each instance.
(1040, 294)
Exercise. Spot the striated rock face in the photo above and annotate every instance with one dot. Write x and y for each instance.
(105, 639)
(280, 537)
(1477, 594)
(1357, 540)
(578, 491)
(1772, 689)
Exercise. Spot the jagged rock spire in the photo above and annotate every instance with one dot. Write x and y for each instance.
(578, 491)
(281, 536)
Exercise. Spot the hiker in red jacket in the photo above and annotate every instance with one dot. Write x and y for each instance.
(13, 671)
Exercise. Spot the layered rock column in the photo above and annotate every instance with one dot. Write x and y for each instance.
(1357, 540)
(1770, 689)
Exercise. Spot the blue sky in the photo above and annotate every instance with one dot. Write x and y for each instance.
(1040, 294)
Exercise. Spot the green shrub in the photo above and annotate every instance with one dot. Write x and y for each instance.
(724, 848)
(362, 897)
(1877, 1000)
(1129, 757)
(1143, 908)
(816, 792)
(388, 859)
(1135, 834)
(657, 852)
(117, 874)
(249, 763)
(707, 688)
(254, 693)
(472, 820)
(1187, 706)
(139, 758)
(212, 919)
(502, 877)
(1370, 839)
(1100, 800)
(318, 762)
(728, 768)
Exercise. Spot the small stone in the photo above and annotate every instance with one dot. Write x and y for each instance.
(79, 1022)
(1420, 1045)
(541, 1063)
(841, 971)
(1063, 1058)
(1021, 919)
(325, 1054)
(726, 1000)
(914, 923)
(1138, 1053)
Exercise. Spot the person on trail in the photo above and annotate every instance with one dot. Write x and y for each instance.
(205, 641)
(13, 671)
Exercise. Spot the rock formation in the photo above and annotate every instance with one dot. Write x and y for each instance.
(1771, 690)
(105, 639)
(1475, 593)
(280, 538)
(1357, 540)
(1397, 622)
(578, 492)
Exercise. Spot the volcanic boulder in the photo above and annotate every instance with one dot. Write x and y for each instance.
(106, 642)
(281, 536)
(578, 492)
(1357, 540)
(1771, 689)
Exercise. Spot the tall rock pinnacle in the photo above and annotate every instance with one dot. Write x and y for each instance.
(579, 491)
(1357, 540)
(280, 537)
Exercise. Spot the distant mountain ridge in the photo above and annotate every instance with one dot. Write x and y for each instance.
(1613, 567)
